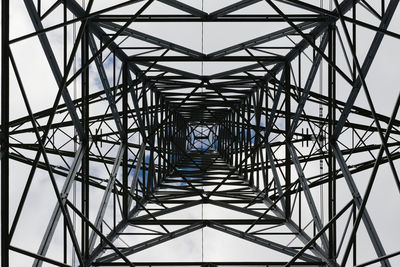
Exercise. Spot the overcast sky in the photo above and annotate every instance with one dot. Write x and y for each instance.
(383, 80)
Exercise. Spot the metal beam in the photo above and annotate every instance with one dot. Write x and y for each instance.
(55, 217)
(5, 114)
(106, 195)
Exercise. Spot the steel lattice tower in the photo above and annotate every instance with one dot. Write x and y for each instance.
(117, 140)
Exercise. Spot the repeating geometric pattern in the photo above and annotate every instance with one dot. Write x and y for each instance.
(147, 132)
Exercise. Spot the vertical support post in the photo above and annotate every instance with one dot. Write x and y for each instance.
(268, 166)
(258, 104)
(227, 148)
(233, 136)
(162, 138)
(243, 141)
(236, 137)
(287, 146)
(85, 139)
(225, 138)
(168, 135)
(151, 173)
(249, 173)
(230, 147)
(65, 62)
(331, 126)
(354, 36)
(5, 110)
(221, 133)
(143, 115)
(251, 167)
(124, 140)
(159, 150)
(241, 133)
(172, 130)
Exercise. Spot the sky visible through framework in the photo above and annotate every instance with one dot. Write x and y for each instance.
(382, 79)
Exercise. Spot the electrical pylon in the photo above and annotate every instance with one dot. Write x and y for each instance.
(129, 125)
